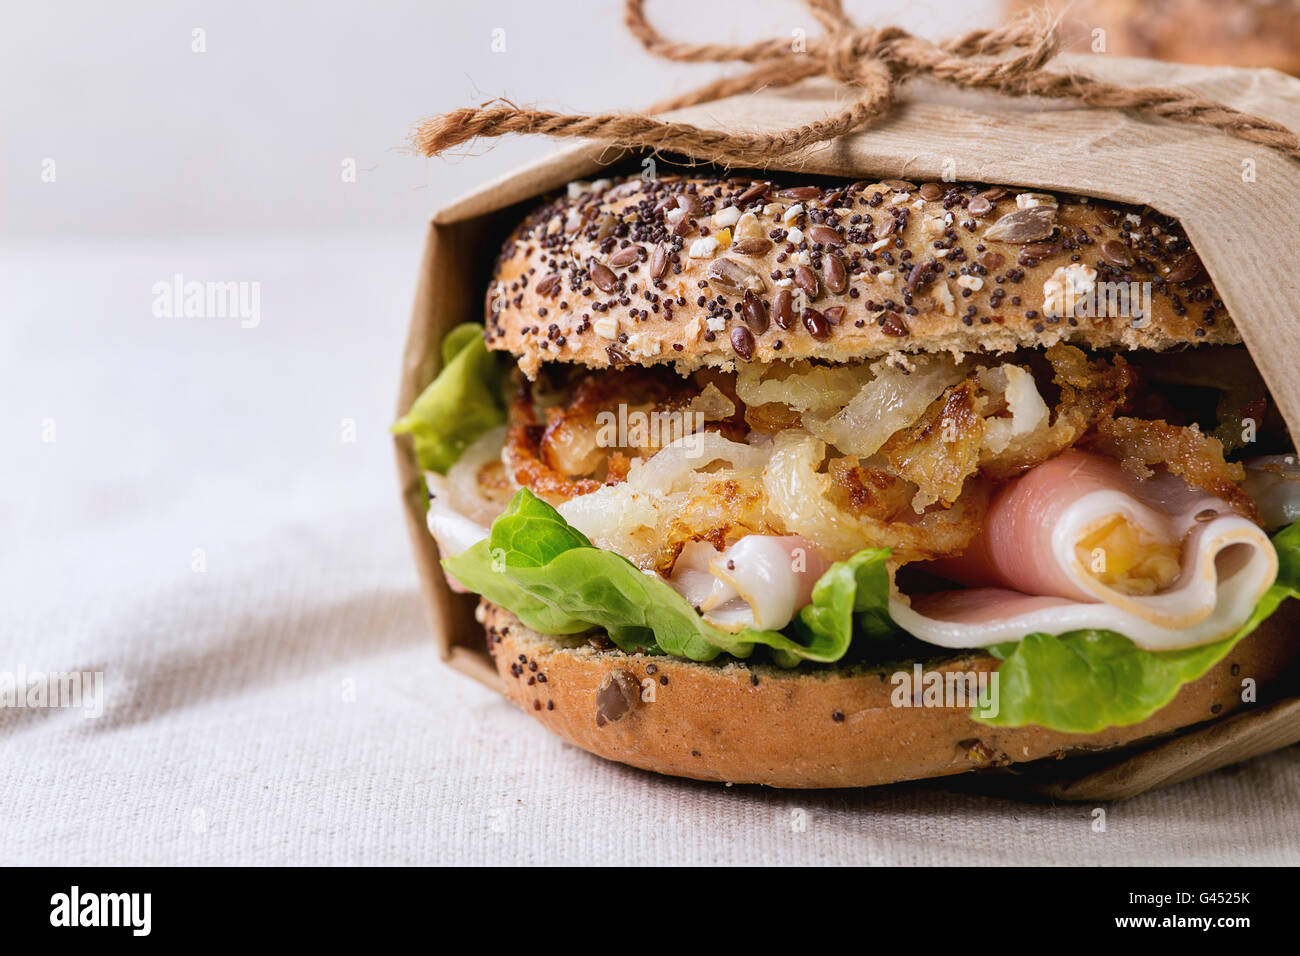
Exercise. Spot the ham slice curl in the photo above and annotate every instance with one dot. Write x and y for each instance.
(1023, 574)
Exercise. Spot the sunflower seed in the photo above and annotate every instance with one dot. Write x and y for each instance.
(754, 311)
(1115, 251)
(806, 279)
(752, 193)
(825, 235)
(895, 326)
(728, 275)
(743, 342)
(783, 308)
(625, 257)
(1040, 250)
(1023, 225)
(753, 246)
(920, 276)
(604, 277)
(816, 324)
(833, 273)
(659, 262)
(617, 695)
(1185, 269)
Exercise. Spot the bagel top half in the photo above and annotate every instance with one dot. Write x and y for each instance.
(707, 271)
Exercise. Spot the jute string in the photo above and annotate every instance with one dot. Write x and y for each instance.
(1010, 60)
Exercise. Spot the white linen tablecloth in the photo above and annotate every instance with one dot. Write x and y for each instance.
(284, 703)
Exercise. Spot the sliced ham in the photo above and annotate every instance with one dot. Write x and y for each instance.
(761, 581)
(459, 515)
(1023, 573)
(453, 531)
(463, 478)
(1274, 482)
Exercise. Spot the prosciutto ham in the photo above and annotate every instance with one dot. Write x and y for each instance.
(1080, 543)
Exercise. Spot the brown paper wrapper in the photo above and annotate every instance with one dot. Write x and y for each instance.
(1239, 203)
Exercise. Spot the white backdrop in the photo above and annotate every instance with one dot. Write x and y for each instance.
(207, 513)
(148, 135)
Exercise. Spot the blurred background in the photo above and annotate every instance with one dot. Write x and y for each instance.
(253, 132)
(193, 117)
(205, 508)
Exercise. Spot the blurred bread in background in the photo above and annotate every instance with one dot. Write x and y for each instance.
(1255, 33)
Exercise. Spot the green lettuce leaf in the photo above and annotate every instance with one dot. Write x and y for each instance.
(1287, 544)
(458, 406)
(535, 564)
(1086, 681)
(851, 597)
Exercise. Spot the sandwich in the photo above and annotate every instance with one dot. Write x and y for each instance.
(812, 483)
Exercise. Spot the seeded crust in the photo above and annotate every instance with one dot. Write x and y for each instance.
(605, 275)
(812, 729)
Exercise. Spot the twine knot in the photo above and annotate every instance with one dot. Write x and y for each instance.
(1010, 60)
(855, 57)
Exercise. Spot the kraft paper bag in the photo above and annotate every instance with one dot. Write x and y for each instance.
(1239, 203)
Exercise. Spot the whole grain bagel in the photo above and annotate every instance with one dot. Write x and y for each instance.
(706, 271)
(738, 723)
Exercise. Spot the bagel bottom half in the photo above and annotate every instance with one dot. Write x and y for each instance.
(759, 724)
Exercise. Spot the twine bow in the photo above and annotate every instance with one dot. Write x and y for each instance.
(1010, 60)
